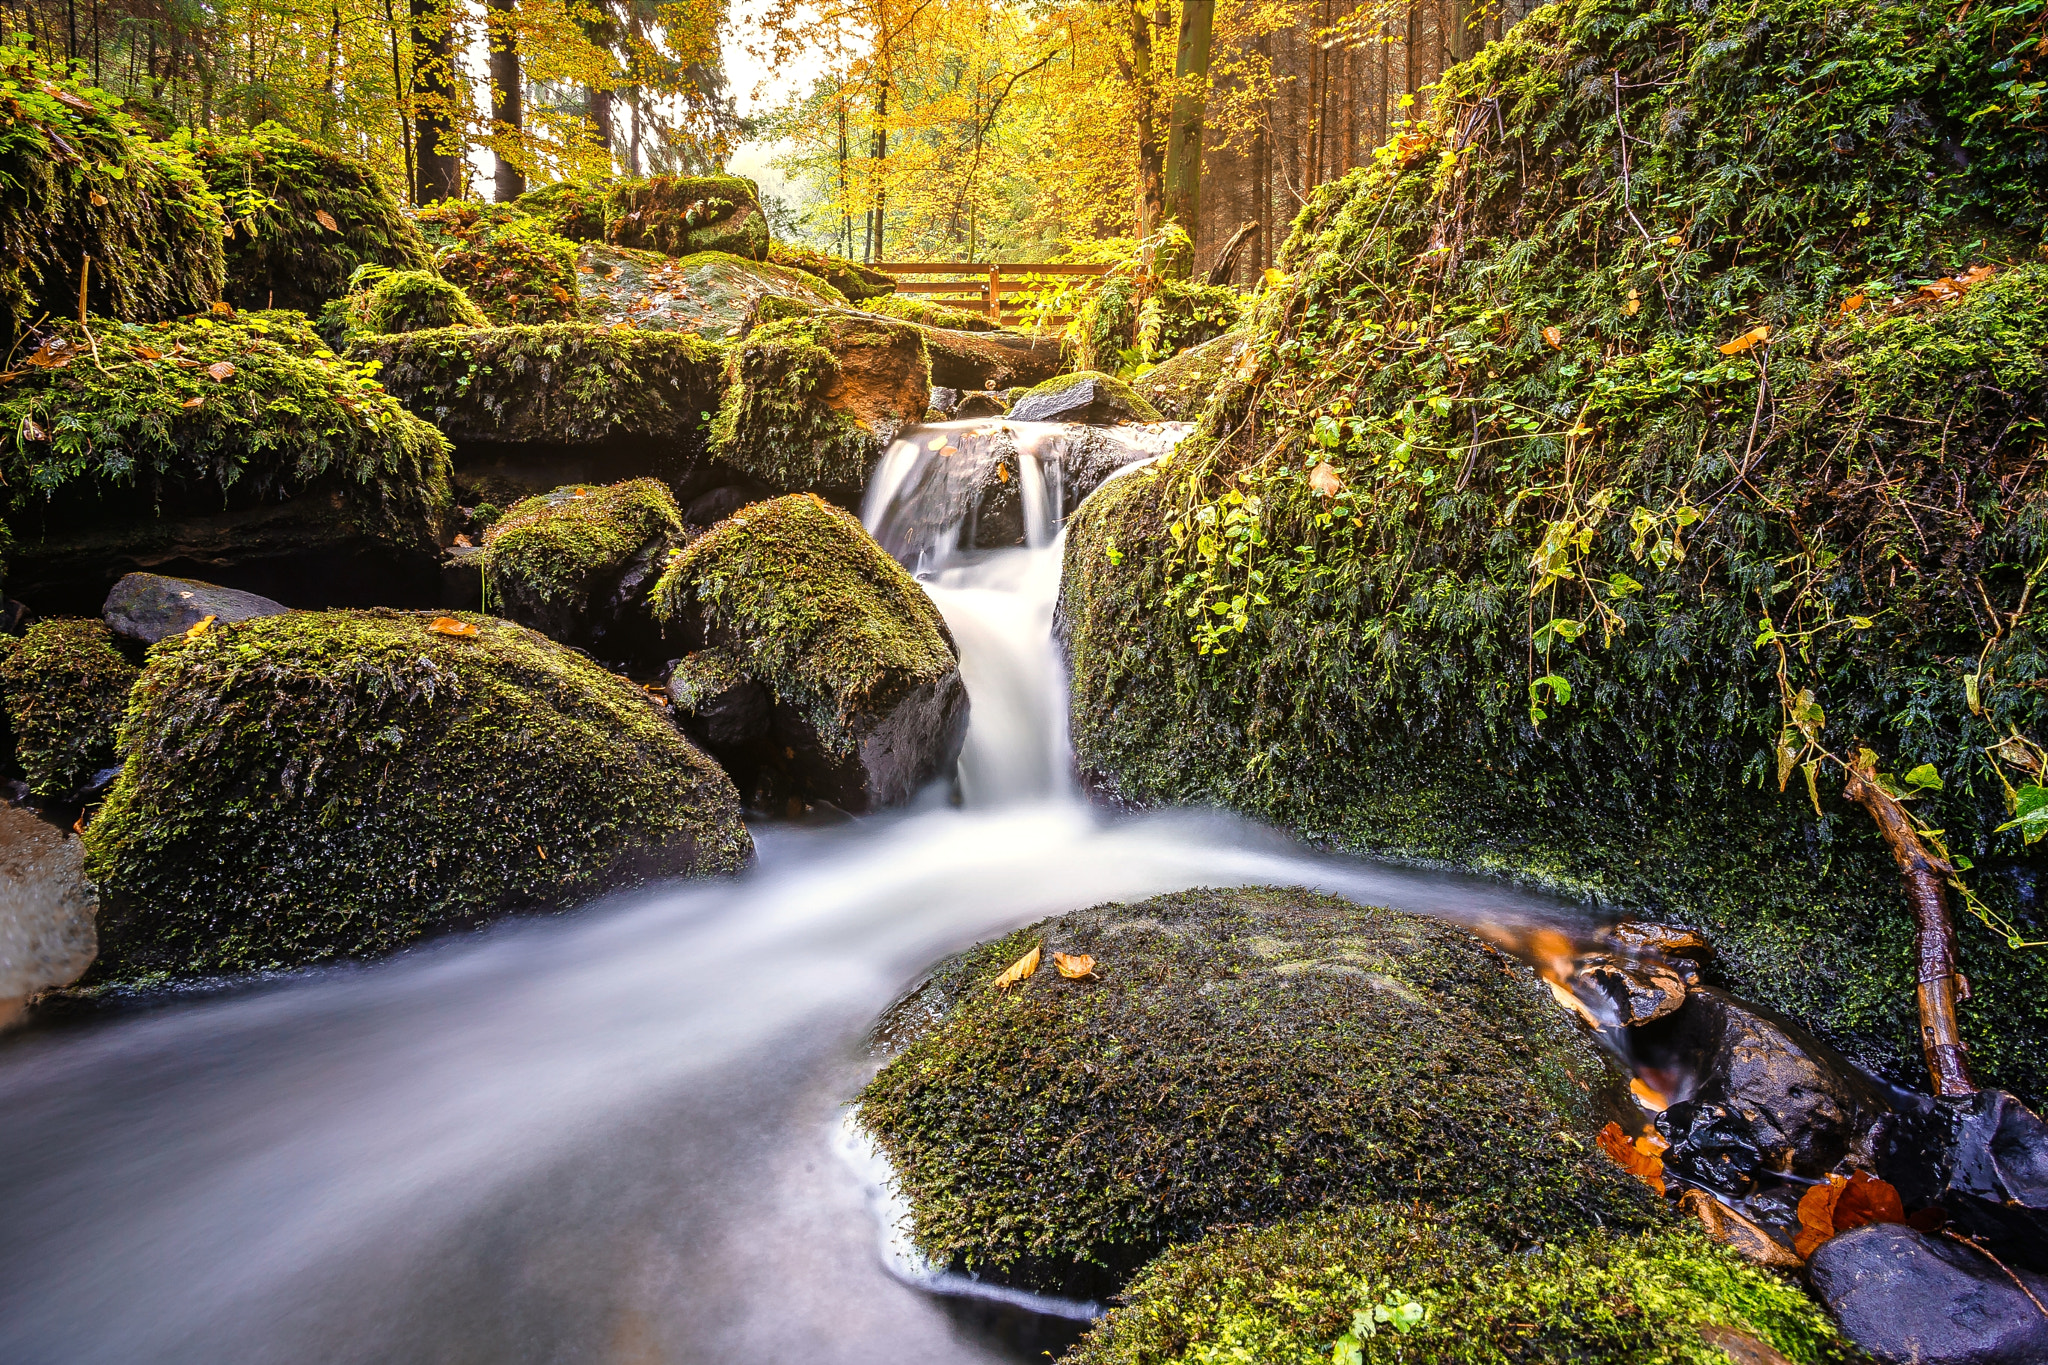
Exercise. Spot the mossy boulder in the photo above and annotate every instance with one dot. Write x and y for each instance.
(65, 686)
(1385, 1283)
(569, 208)
(856, 281)
(967, 360)
(1182, 386)
(318, 785)
(1236, 1057)
(302, 217)
(509, 264)
(914, 308)
(715, 294)
(1781, 428)
(397, 301)
(577, 564)
(812, 402)
(679, 215)
(868, 705)
(239, 450)
(1087, 396)
(83, 180)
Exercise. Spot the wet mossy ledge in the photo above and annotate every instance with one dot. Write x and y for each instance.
(316, 785)
(1403, 1283)
(578, 563)
(1491, 546)
(1236, 1057)
(83, 180)
(65, 687)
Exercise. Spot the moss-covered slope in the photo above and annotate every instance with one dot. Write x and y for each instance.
(83, 181)
(65, 687)
(508, 263)
(329, 784)
(302, 217)
(850, 278)
(1237, 1056)
(1383, 1284)
(1495, 543)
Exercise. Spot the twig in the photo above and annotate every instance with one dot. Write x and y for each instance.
(1627, 194)
(2001, 1265)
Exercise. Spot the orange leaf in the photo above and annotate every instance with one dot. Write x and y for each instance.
(147, 353)
(223, 306)
(1644, 1166)
(192, 403)
(448, 625)
(1325, 480)
(1002, 473)
(1842, 1204)
(98, 200)
(326, 220)
(1554, 337)
(1752, 337)
(199, 627)
(1674, 240)
(1074, 966)
(1853, 302)
(1019, 970)
(221, 371)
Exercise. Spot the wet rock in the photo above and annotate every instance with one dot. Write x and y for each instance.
(1910, 1298)
(1634, 992)
(147, 606)
(577, 564)
(1643, 938)
(1084, 396)
(708, 509)
(944, 400)
(1765, 1097)
(867, 702)
(719, 706)
(462, 578)
(1984, 1159)
(981, 403)
(1181, 386)
(1732, 1228)
(710, 294)
(47, 935)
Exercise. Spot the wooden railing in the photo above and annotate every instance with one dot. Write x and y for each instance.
(989, 289)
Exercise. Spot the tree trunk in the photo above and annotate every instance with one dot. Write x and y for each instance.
(1151, 177)
(1468, 29)
(1935, 943)
(439, 166)
(1190, 101)
(508, 99)
(881, 147)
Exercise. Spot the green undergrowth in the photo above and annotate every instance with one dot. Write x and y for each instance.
(547, 556)
(65, 687)
(1238, 1056)
(679, 215)
(1384, 1283)
(81, 179)
(211, 412)
(1128, 323)
(807, 603)
(912, 308)
(382, 302)
(851, 278)
(275, 186)
(1517, 542)
(569, 383)
(326, 784)
(509, 264)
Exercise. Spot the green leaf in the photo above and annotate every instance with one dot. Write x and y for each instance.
(1924, 776)
(1621, 585)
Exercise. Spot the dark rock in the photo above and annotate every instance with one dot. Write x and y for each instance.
(718, 705)
(1641, 937)
(1761, 1096)
(980, 403)
(47, 909)
(944, 399)
(1909, 1298)
(711, 508)
(462, 578)
(1984, 1159)
(1084, 396)
(1635, 992)
(577, 564)
(147, 606)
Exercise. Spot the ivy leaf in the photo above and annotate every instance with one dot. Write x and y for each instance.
(1812, 769)
(2030, 813)
(1924, 776)
(1621, 585)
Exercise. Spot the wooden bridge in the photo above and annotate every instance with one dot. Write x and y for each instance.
(987, 288)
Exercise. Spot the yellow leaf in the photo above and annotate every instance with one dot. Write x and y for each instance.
(192, 403)
(1554, 337)
(1276, 279)
(223, 306)
(1752, 337)
(199, 627)
(1852, 303)
(1325, 480)
(448, 625)
(1674, 240)
(1634, 304)
(99, 201)
(1074, 966)
(1019, 970)
(1002, 473)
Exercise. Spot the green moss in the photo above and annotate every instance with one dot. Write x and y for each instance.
(511, 266)
(66, 689)
(572, 383)
(679, 215)
(81, 179)
(912, 308)
(569, 208)
(384, 302)
(547, 556)
(1177, 315)
(1106, 328)
(1286, 1295)
(325, 784)
(148, 428)
(280, 253)
(808, 604)
(1240, 1056)
(1182, 386)
(849, 278)
(1488, 351)
(1118, 392)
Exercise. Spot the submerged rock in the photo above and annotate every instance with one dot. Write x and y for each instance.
(577, 564)
(66, 690)
(1084, 396)
(46, 910)
(1910, 1298)
(321, 785)
(1408, 1283)
(868, 705)
(1984, 1159)
(1236, 1057)
(147, 606)
(1633, 991)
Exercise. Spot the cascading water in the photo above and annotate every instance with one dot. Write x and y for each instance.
(604, 1136)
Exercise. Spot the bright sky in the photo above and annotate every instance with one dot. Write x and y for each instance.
(756, 86)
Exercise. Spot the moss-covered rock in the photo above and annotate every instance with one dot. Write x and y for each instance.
(65, 686)
(812, 402)
(712, 293)
(302, 217)
(1237, 1056)
(868, 703)
(397, 301)
(578, 563)
(566, 384)
(915, 308)
(318, 785)
(569, 208)
(852, 279)
(1083, 396)
(1336, 607)
(509, 264)
(82, 180)
(1404, 1284)
(679, 215)
(971, 360)
(112, 464)
(1182, 386)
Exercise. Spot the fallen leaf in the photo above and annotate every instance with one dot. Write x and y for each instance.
(1650, 1097)
(1853, 302)
(1644, 1166)
(326, 220)
(192, 403)
(1844, 1203)
(561, 295)
(199, 627)
(1634, 304)
(536, 848)
(1730, 1228)
(1674, 240)
(1752, 337)
(220, 371)
(1554, 337)
(949, 452)
(146, 353)
(448, 625)
(31, 432)
(465, 542)
(1019, 970)
(98, 200)
(223, 306)
(1074, 966)
(1955, 286)
(1002, 473)
(1324, 479)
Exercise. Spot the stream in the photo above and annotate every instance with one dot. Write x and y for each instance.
(614, 1134)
